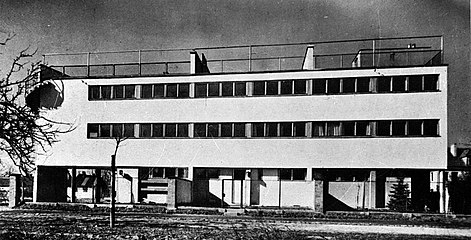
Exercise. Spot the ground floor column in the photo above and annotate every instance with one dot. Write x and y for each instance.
(321, 189)
(73, 185)
(380, 189)
(442, 177)
(98, 186)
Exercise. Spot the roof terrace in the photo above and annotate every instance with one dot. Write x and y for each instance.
(340, 54)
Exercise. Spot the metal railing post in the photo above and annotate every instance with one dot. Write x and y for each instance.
(88, 64)
(250, 58)
(140, 69)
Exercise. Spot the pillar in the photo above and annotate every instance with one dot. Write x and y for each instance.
(98, 186)
(442, 176)
(14, 194)
(172, 194)
(321, 189)
(73, 185)
(420, 189)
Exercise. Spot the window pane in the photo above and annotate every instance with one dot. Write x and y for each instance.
(200, 130)
(226, 130)
(158, 172)
(363, 85)
(129, 130)
(213, 173)
(272, 130)
(182, 172)
(318, 129)
(348, 85)
(105, 130)
(348, 128)
(399, 128)
(129, 91)
(286, 130)
(272, 87)
(299, 174)
(333, 86)
(285, 174)
(157, 130)
(106, 92)
(213, 130)
(415, 83)
(240, 89)
(299, 129)
(399, 84)
(363, 128)
(430, 82)
(118, 92)
(300, 87)
(414, 128)
(93, 92)
(146, 91)
(117, 130)
(200, 90)
(172, 90)
(259, 88)
(213, 89)
(333, 128)
(182, 130)
(92, 130)
(145, 130)
(257, 130)
(384, 128)
(319, 86)
(287, 87)
(430, 127)
(159, 90)
(239, 130)
(170, 130)
(384, 84)
(227, 89)
(170, 172)
(183, 90)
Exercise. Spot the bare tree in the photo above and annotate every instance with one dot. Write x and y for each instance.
(24, 130)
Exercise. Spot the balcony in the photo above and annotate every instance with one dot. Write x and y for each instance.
(341, 54)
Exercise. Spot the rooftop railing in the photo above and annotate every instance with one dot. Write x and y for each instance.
(377, 52)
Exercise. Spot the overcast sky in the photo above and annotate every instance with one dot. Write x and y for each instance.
(99, 25)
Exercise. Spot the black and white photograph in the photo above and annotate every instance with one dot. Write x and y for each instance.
(244, 119)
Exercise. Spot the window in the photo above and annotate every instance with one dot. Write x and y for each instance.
(430, 82)
(157, 130)
(213, 89)
(200, 90)
(363, 128)
(258, 88)
(159, 90)
(117, 130)
(271, 130)
(146, 91)
(286, 130)
(430, 128)
(258, 130)
(333, 86)
(300, 87)
(299, 129)
(285, 174)
(348, 128)
(293, 174)
(272, 87)
(106, 92)
(319, 86)
(129, 91)
(384, 84)
(240, 89)
(94, 92)
(183, 90)
(93, 130)
(239, 174)
(287, 87)
(415, 83)
(145, 130)
(226, 130)
(333, 128)
(399, 128)
(399, 84)
(348, 85)
(118, 92)
(213, 130)
(128, 130)
(182, 130)
(105, 130)
(239, 130)
(172, 90)
(170, 130)
(200, 130)
(414, 128)
(383, 128)
(318, 129)
(363, 85)
(227, 88)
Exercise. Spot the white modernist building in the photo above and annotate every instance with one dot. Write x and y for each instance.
(306, 134)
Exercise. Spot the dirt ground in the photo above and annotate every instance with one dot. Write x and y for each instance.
(36, 224)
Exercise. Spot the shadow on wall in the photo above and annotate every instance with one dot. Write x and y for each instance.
(203, 197)
(333, 204)
(45, 96)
